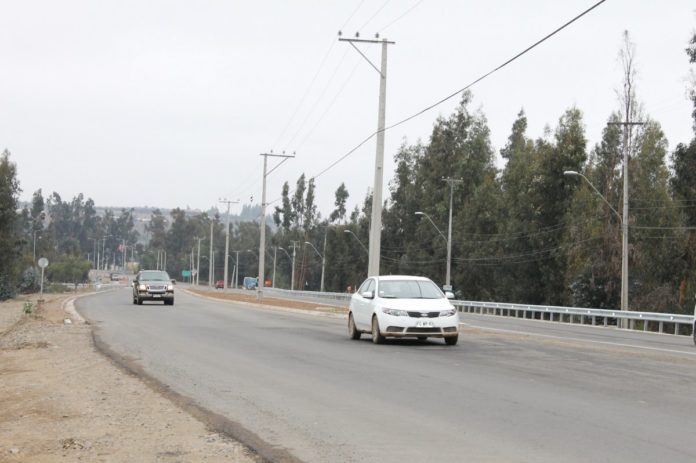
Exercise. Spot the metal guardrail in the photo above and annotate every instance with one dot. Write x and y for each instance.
(645, 321)
(344, 297)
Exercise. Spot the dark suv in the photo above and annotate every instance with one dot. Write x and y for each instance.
(153, 285)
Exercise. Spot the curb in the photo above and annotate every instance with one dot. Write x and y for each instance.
(274, 308)
(68, 305)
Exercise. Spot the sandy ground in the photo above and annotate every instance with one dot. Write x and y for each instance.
(251, 298)
(61, 400)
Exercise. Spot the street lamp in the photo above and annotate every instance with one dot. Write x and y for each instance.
(103, 250)
(624, 247)
(447, 286)
(34, 233)
(323, 265)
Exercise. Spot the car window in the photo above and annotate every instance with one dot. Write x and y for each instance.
(409, 289)
(370, 285)
(154, 276)
(363, 287)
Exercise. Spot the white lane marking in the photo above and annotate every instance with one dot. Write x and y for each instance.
(563, 338)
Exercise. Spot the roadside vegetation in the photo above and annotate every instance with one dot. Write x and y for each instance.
(524, 232)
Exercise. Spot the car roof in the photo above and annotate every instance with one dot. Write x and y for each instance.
(402, 277)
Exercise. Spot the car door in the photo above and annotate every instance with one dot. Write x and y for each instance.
(362, 309)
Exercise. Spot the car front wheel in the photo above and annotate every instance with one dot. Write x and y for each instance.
(377, 337)
(452, 340)
(352, 331)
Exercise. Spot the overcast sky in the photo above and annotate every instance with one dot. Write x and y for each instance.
(169, 103)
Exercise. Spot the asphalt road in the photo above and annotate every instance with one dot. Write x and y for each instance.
(511, 391)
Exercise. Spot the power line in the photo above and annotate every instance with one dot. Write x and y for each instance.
(374, 15)
(452, 95)
(394, 21)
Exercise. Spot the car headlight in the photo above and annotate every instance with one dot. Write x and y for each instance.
(395, 312)
(170, 287)
(448, 313)
(142, 287)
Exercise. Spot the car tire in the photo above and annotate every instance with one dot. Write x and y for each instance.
(377, 337)
(134, 300)
(422, 338)
(169, 302)
(452, 340)
(138, 300)
(352, 330)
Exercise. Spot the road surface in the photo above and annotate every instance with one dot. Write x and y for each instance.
(512, 390)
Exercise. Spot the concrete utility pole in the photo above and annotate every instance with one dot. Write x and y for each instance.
(210, 259)
(294, 252)
(452, 182)
(227, 235)
(236, 272)
(376, 217)
(262, 240)
(323, 262)
(627, 125)
(198, 261)
(275, 255)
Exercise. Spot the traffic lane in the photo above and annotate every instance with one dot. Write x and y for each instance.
(582, 333)
(299, 383)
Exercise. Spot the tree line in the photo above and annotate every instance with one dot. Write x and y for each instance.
(526, 232)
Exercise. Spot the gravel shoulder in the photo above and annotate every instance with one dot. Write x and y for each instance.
(60, 399)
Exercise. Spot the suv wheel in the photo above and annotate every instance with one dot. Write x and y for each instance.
(452, 340)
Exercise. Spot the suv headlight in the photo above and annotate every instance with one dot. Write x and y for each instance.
(448, 313)
(395, 312)
(142, 287)
(170, 287)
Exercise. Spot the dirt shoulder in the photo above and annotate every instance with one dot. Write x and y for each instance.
(60, 399)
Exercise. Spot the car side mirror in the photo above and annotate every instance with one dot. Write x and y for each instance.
(173, 281)
(368, 295)
(449, 294)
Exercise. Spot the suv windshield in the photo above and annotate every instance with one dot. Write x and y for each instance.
(154, 276)
(409, 289)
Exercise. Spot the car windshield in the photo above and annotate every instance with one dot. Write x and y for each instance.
(154, 276)
(409, 289)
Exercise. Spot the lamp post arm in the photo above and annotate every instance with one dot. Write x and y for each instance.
(602, 196)
(357, 239)
(433, 224)
(315, 249)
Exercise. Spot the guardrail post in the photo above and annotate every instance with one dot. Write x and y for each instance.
(662, 327)
(676, 328)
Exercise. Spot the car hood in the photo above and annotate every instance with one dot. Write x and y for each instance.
(154, 282)
(417, 305)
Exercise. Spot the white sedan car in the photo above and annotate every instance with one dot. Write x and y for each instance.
(402, 306)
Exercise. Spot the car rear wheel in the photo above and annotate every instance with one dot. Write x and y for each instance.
(352, 331)
(377, 337)
(452, 340)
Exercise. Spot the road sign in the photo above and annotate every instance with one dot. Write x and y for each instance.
(186, 273)
(43, 262)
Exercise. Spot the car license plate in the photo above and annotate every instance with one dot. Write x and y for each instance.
(425, 324)
(156, 295)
